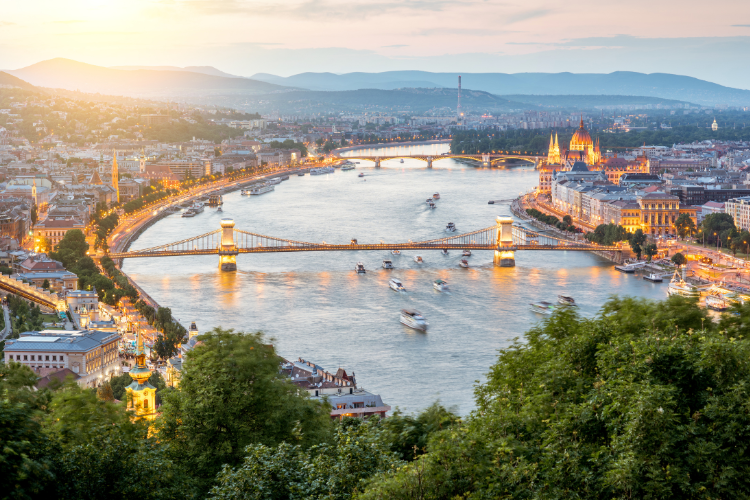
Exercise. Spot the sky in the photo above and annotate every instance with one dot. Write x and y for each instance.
(707, 40)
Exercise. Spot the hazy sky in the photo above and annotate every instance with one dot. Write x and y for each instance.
(709, 40)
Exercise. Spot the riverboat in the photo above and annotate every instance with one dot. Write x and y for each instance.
(436, 196)
(467, 253)
(360, 268)
(463, 263)
(413, 319)
(654, 278)
(440, 285)
(565, 300)
(188, 213)
(322, 171)
(275, 181)
(395, 252)
(717, 303)
(300, 174)
(678, 286)
(265, 188)
(396, 285)
(402, 160)
(418, 259)
(630, 268)
(542, 308)
(198, 208)
(244, 192)
(347, 166)
(444, 251)
(284, 177)
(387, 264)
(450, 228)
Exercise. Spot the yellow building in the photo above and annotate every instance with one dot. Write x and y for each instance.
(141, 394)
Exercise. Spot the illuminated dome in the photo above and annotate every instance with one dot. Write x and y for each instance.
(581, 139)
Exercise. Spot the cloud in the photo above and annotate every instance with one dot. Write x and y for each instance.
(525, 16)
(393, 46)
(463, 32)
(741, 26)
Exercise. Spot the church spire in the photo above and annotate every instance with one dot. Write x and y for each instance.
(141, 394)
(581, 120)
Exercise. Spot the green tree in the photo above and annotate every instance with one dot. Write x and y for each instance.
(104, 392)
(232, 395)
(685, 225)
(34, 215)
(679, 259)
(716, 226)
(72, 247)
(407, 435)
(650, 250)
(741, 242)
(636, 242)
(45, 284)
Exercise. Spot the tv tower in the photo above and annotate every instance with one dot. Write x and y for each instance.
(458, 108)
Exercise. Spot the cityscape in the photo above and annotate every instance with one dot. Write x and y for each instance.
(267, 266)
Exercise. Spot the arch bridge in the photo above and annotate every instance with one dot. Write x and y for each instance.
(504, 238)
(487, 159)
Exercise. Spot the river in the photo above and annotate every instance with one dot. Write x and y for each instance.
(316, 307)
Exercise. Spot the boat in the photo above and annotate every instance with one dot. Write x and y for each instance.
(284, 177)
(436, 196)
(717, 303)
(440, 285)
(198, 208)
(678, 286)
(565, 300)
(467, 253)
(463, 263)
(188, 213)
(321, 170)
(263, 188)
(431, 205)
(630, 268)
(244, 192)
(402, 160)
(413, 319)
(418, 259)
(347, 166)
(654, 278)
(396, 285)
(542, 307)
(300, 174)
(360, 268)
(219, 209)
(450, 228)
(428, 201)
(275, 181)
(387, 264)
(395, 252)
(361, 174)
(444, 251)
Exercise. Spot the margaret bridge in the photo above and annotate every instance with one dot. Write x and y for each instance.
(505, 238)
(486, 159)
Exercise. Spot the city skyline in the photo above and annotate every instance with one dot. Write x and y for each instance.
(290, 37)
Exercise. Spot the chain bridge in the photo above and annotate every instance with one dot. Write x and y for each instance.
(487, 159)
(505, 238)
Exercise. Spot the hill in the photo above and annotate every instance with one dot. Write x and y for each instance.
(74, 75)
(588, 101)
(206, 70)
(8, 80)
(662, 85)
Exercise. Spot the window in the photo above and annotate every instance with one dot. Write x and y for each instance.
(61, 358)
(32, 357)
(46, 358)
(54, 358)
(145, 404)
(25, 358)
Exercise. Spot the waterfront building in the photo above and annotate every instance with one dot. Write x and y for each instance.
(553, 156)
(659, 211)
(141, 394)
(92, 355)
(339, 389)
(739, 209)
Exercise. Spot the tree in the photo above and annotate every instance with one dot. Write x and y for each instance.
(104, 392)
(407, 435)
(72, 247)
(650, 250)
(45, 284)
(232, 395)
(568, 220)
(741, 242)
(646, 400)
(679, 259)
(714, 225)
(636, 241)
(34, 215)
(685, 225)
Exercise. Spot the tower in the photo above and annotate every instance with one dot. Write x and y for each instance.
(142, 162)
(714, 126)
(115, 175)
(458, 108)
(504, 253)
(228, 250)
(553, 155)
(33, 192)
(141, 394)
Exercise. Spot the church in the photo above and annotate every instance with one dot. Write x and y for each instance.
(581, 148)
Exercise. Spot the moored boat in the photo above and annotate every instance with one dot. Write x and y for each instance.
(413, 319)
(440, 285)
(717, 303)
(264, 188)
(678, 286)
(396, 285)
(654, 278)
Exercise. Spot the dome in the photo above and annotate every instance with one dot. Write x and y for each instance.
(581, 137)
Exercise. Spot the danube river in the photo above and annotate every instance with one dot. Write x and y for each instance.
(315, 306)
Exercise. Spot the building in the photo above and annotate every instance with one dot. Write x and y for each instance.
(59, 281)
(141, 394)
(659, 211)
(54, 229)
(155, 119)
(553, 155)
(82, 301)
(739, 209)
(339, 389)
(115, 176)
(711, 207)
(184, 169)
(581, 142)
(92, 355)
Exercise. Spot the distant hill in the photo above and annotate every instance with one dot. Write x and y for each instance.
(624, 83)
(8, 80)
(206, 70)
(73, 75)
(587, 101)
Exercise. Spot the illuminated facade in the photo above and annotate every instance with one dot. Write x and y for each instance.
(115, 175)
(553, 155)
(228, 252)
(504, 254)
(141, 394)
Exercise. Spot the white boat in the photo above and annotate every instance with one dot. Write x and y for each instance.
(275, 181)
(542, 308)
(361, 174)
(284, 177)
(387, 264)
(413, 319)
(395, 252)
(678, 286)
(322, 170)
(243, 192)
(219, 209)
(300, 174)
(431, 205)
(360, 268)
(402, 160)
(440, 285)
(463, 263)
(188, 213)
(198, 208)
(418, 259)
(444, 251)
(467, 253)
(450, 228)
(262, 189)
(347, 166)
(654, 278)
(396, 285)
(565, 300)
(630, 268)
(436, 196)
(717, 303)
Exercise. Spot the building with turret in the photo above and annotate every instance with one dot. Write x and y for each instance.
(141, 394)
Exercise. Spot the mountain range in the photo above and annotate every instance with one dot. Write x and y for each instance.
(208, 83)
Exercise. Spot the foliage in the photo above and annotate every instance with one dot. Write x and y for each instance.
(25, 317)
(679, 259)
(646, 400)
(636, 242)
(608, 234)
(407, 435)
(685, 225)
(104, 392)
(333, 471)
(290, 144)
(565, 225)
(741, 242)
(72, 247)
(717, 226)
(45, 284)
(650, 250)
(232, 395)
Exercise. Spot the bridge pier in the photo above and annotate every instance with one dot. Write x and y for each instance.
(504, 253)
(228, 250)
(377, 162)
(485, 160)
(429, 162)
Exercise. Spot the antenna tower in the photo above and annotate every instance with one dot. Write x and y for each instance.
(458, 108)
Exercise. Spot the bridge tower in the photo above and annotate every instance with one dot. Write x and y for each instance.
(429, 162)
(504, 253)
(377, 162)
(486, 160)
(228, 250)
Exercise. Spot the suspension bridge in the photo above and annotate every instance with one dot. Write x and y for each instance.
(505, 238)
(487, 159)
